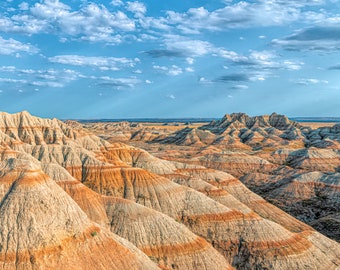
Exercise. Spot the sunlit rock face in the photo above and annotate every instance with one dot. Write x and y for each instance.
(120, 207)
(267, 153)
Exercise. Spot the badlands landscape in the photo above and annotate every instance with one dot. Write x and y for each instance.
(238, 193)
(295, 166)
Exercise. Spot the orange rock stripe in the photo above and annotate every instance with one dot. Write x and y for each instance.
(220, 217)
(176, 249)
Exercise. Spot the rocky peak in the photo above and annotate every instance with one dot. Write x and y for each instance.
(281, 121)
(336, 128)
(33, 130)
(274, 120)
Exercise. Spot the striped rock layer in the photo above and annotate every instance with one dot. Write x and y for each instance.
(171, 214)
(292, 166)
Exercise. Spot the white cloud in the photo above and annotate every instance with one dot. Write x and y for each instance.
(180, 46)
(189, 69)
(9, 80)
(136, 7)
(55, 78)
(175, 70)
(245, 14)
(240, 87)
(293, 65)
(162, 68)
(148, 81)
(171, 96)
(50, 9)
(297, 4)
(95, 23)
(8, 68)
(241, 14)
(263, 58)
(102, 63)
(47, 84)
(205, 81)
(190, 60)
(266, 60)
(23, 24)
(187, 46)
(172, 71)
(116, 2)
(155, 23)
(198, 13)
(24, 6)
(116, 83)
(43, 78)
(91, 22)
(12, 46)
(310, 81)
(231, 55)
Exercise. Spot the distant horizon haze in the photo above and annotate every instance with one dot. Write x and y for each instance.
(186, 119)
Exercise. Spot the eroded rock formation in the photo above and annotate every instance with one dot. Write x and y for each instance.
(268, 153)
(150, 211)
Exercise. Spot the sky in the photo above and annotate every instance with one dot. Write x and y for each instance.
(169, 58)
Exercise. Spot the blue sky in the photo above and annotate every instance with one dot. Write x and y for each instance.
(178, 58)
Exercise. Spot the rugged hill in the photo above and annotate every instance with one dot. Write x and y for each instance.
(240, 131)
(183, 216)
(268, 153)
(185, 251)
(41, 227)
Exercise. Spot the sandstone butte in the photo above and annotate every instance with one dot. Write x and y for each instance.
(72, 200)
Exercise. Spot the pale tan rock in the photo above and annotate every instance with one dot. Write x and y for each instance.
(247, 230)
(41, 227)
(165, 240)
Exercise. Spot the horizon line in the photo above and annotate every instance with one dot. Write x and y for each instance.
(196, 119)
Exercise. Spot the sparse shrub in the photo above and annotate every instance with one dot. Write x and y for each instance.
(154, 259)
(32, 259)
